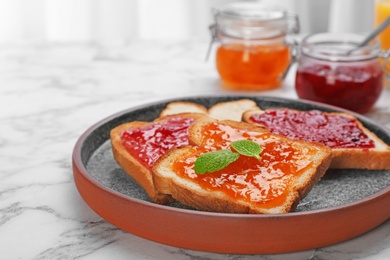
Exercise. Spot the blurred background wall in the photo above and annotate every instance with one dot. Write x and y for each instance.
(118, 21)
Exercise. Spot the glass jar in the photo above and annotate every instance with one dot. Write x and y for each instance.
(253, 52)
(329, 72)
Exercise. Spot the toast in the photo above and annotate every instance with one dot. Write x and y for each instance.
(231, 110)
(353, 145)
(275, 184)
(129, 137)
(179, 107)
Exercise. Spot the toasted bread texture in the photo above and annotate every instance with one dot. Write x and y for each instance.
(231, 110)
(140, 167)
(318, 127)
(275, 184)
(228, 110)
(179, 107)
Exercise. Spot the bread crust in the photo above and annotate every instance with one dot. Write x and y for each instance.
(377, 158)
(231, 110)
(192, 194)
(180, 107)
(141, 174)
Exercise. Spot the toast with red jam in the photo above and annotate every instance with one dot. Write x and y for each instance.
(137, 145)
(273, 183)
(353, 145)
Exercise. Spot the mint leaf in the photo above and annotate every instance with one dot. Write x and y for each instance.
(247, 148)
(214, 161)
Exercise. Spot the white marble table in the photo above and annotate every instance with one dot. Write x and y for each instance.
(50, 94)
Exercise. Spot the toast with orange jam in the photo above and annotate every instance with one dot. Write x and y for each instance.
(137, 145)
(352, 144)
(273, 184)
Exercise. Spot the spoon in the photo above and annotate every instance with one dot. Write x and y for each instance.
(371, 36)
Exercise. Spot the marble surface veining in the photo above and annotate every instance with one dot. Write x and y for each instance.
(51, 93)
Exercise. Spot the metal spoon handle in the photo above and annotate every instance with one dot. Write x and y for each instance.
(372, 35)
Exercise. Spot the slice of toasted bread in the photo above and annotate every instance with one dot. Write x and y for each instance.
(179, 107)
(353, 145)
(143, 136)
(228, 110)
(275, 184)
(231, 110)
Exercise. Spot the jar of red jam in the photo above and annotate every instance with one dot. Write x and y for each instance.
(254, 41)
(330, 72)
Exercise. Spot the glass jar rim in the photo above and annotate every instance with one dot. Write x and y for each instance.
(335, 47)
(251, 20)
(252, 11)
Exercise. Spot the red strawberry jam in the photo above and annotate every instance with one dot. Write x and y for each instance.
(333, 130)
(148, 143)
(354, 87)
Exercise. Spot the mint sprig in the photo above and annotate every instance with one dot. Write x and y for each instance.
(247, 148)
(217, 160)
(214, 161)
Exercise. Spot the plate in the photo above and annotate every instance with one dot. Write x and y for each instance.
(343, 205)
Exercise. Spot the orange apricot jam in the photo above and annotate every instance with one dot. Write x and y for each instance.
(266, 181)
(148, 143)
(332, 130)
(257, 67)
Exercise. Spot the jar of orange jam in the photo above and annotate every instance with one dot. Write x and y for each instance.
(330, 72)
(254, 48)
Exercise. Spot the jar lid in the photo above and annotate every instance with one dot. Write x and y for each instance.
(251, 20)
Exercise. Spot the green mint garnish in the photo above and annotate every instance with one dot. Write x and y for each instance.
(247, 148)
(217, 160)
(214, 161)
